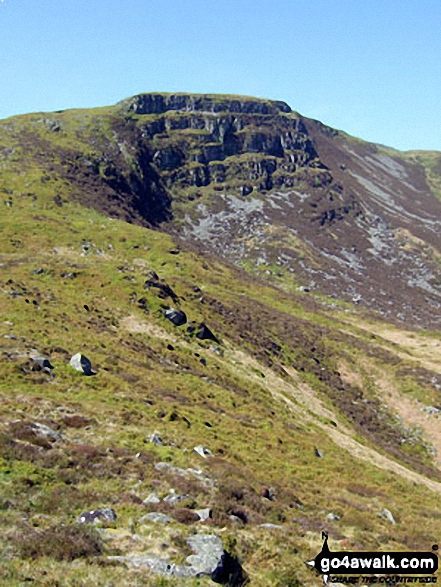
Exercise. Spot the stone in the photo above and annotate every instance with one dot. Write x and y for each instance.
(197, 473)
(430, 410)
(156, 517)
(209, 551)
(165, 290)
(177, 317)
(204, 333)
(204, 514)
(46, 431)
(82, 364)
(152, 498)
(43, 362)
(69, 275)
(209, 559)
(318, 453)
(97, 516)
(267, 493)
(174, 497)
(246, 190)
(387, 515)
(332, 516)
(156, 439)
(203, 452)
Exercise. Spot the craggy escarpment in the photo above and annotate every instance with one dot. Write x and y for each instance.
(238, 152)
(160, 103)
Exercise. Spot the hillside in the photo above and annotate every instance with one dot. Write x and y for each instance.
(312, 259)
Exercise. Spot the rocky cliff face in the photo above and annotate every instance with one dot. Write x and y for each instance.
(229, 144)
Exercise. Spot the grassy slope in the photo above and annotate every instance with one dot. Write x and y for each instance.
(259, 416)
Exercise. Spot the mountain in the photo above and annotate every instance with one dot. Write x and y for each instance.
(245, 281)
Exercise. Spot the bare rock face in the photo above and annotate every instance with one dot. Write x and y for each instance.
(160, 103)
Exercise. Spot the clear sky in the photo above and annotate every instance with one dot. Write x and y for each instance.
(369, 67)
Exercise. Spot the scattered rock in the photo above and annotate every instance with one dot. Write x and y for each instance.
(174, 497)
(156, 439)
(203, 452)
(430, 410)
(41, 364)
(318, 453)
(69, 275)
(209, 551)
(204, 514)
(204, 333)
(239, 513)
(152, 498)
(332, 516)
(165, 290)
(97, 516)
(198, 474)
(177, 317)
(157, 517)
(46, 431)
(82, 364)
(142, 303)
(245, 190)
(387, 515)
(267, 493)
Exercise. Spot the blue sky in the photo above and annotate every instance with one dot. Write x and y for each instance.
(369, 67)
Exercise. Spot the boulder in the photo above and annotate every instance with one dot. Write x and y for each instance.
(204, 333)
(204, 514)
(267, 493)
(208, 550)
(174, 497)
(165, 290)
(152, 498)
(156, 439)
(157, 517)
(41, 363)
(177, 317)
(209, 559)
(82, 364)
(203, 452)
(387, 515)
(97, 516)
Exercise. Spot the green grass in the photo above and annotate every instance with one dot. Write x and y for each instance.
(229, 405)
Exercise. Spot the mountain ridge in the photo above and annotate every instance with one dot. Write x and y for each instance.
(318, 403)
(192, 163)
